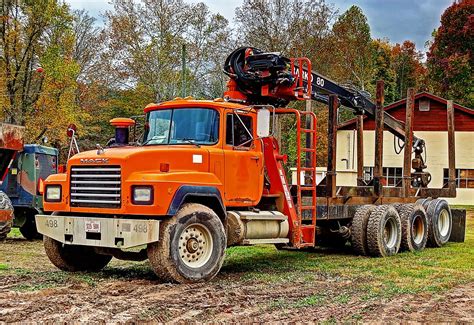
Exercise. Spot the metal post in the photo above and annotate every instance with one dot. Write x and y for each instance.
(332, 134)
(410, 109)
(379, 127)
(360, 150)
(183, 71)
(451, 148)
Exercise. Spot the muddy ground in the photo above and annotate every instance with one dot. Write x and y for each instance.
(258, 284)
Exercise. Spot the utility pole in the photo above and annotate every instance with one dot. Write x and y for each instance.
(183, 71)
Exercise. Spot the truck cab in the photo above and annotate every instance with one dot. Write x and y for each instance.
(206, 154)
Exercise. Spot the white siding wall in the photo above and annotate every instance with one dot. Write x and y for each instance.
(436, 150)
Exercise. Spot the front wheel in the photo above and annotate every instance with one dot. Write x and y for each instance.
(6, 215)
(191, 247)
(74, 258)
(28, 230)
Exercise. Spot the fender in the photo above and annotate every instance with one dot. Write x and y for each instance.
(195, 191)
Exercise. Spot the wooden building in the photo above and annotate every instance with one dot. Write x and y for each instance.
(429, 124)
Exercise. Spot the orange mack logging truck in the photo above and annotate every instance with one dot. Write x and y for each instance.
(209, 174)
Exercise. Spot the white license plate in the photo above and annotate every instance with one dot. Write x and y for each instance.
(92, 226)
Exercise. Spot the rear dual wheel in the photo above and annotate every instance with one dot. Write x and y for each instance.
(376, 230)
(440, 222)
(415, 225)
(359, 229)
(383, 231)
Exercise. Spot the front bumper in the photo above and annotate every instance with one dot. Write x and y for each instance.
(100, 232)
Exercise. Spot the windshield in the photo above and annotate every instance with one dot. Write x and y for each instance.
(182, 125)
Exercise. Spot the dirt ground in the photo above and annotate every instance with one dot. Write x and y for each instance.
(135, 300)
(31, 289)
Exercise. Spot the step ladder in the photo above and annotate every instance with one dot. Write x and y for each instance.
(306, 167)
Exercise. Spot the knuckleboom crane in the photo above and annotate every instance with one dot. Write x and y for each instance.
(268, 78)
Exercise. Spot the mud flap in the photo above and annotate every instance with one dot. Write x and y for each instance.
(458, 232)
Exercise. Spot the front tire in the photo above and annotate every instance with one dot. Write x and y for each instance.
(191, 247)
(28, 230)
(6, 208)
(74, 258)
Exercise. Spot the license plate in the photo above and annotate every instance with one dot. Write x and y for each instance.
(92, 226)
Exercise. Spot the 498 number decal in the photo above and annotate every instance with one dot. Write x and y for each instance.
(141, 227)
(51, 223)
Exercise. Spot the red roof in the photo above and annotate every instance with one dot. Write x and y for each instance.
(434, 120)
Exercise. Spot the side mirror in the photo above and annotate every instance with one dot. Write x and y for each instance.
(263, 123)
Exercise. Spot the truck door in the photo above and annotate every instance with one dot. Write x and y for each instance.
(243, 159)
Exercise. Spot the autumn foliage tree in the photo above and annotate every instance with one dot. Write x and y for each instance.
(353, 48)
(408, 66)
(450, 58)
(60, 66)
(24, 31)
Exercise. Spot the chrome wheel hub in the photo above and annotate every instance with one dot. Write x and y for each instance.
(390, 233)
(195, 245)
(443, 223)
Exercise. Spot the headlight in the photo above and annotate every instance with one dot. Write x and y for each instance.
(142, 195)
(53, 193)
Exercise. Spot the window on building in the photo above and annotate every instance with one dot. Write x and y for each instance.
(464, 178)
(239, 130)
(424, 105)
(393, 175)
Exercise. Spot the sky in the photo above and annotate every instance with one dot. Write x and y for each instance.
(397, 20)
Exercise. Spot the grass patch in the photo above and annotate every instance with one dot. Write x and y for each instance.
(309, 301)
(15, 233)
(431, 270)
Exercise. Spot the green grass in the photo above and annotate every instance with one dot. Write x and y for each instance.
(316, 299)
(15, 233)
(431, 270)
(319, 277)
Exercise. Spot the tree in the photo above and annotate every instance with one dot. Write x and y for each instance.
(293, 27)
(352, 46)
(87, 46)
(450, 57)
(408, 66)
(56, 106)
(383, 68)
(144, 43)
(24, 32)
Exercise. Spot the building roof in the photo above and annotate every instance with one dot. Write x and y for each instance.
(401, 104)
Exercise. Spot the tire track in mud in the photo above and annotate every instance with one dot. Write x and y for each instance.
(121, 301)
(135, 300)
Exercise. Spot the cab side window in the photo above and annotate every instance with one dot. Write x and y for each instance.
(239, 130)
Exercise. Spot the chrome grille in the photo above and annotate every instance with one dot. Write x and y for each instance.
(96, 186)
